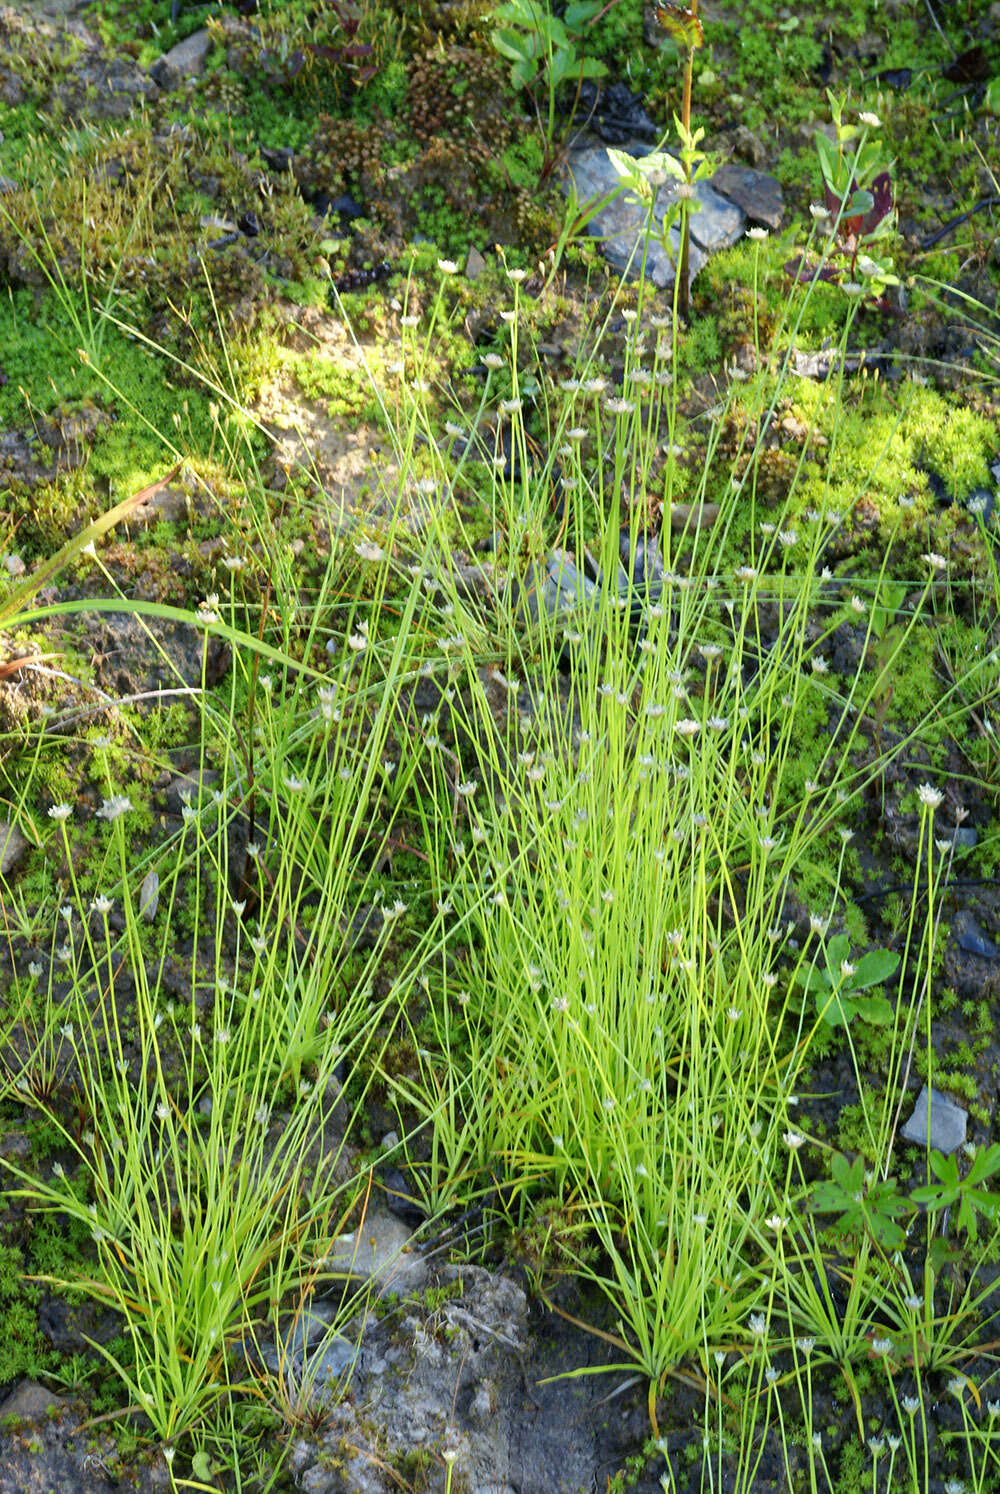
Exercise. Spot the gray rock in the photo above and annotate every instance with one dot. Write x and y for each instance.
(756, 193)
(380, 1252)
(12, 846)
(970, 937)
(480, 1375)
(475, 264)
(717, 224)
(29, 1401)
(937, 1122)
(185, 60)
(313, 1361)
(748, 147)
(557, 589)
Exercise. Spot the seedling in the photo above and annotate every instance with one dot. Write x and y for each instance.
(839, 987)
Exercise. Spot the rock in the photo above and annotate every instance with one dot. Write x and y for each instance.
(475, 264)
(970, 937)
(12, 846)
(29, 1401)
(104, 88)
(621, 223)
(379, 1252)
(613, 113)
(754, 192)
(185, 60)
(562, 587)
(748, 147)
(943, 1128)
(693, 515)
(312, 1361)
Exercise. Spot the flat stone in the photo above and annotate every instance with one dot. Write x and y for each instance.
(29, 1401)
(937, 1122)
(185, 60)
(970, 937)
(754, 192)
(475, 264)
(379, 1252)
(12, 846)
(309, 1356)
(715, 225)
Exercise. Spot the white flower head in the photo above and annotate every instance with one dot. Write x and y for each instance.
(935, 561)
(871, 120)
(447, 267)
(113, 808)
(757, 234)
(930, 797)
(60, 812)
(369, 551)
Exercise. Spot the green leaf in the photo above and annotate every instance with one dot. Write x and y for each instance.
(873, 1009)
(590, 67)
(837, 950)
(579, 13)
(512, 45)
(559, 65)
(991, 99)
(874, 969)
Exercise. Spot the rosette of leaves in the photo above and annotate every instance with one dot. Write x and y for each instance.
(843, 991)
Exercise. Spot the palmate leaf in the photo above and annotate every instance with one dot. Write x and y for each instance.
(681, 25)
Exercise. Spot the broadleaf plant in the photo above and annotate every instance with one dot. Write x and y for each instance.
(839, 988)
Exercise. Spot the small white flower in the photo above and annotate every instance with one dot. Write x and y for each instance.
(871, 120)
(102, 905)
(162, 1111)
(745, 573)
(929, 796)
(234, 563)
(358, 642)
(292, 784)
(517, 276)
(409, 321)
(910, 1404)
(35, 969)
(819, 213)
(793, 1140)
(619, 406)
(466, 790)
(493, 361)
(818, 664)
(368, 551)
(734, 1013)
(758, 1324)
(511, 406)
(208, 610)
(60, 812)
(687, 728)
(881, 1347)
(845, 835)
(114, 807)
(775, 1222)
(447, 267)
(935, 561)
